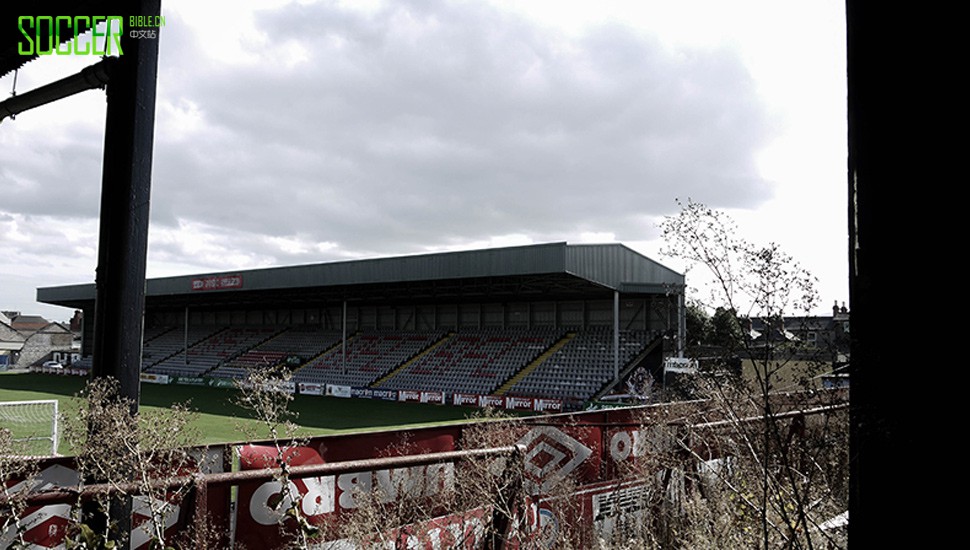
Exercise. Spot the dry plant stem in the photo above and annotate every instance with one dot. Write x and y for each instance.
(759, 282)
(264, 393)
(122, 449)
(479, 498)
(13, 466)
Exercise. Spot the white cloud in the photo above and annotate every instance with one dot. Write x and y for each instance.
(293, 133)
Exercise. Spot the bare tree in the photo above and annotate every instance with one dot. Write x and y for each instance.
(780, 466)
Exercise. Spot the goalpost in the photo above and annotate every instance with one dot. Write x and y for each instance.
(30, 422)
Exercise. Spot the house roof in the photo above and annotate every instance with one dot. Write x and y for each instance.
(28, 323)
(10, 339)
(55, 328)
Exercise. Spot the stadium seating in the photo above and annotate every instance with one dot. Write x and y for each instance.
(369, 356)
(563, 363)
(581, 368)
(302, 342)
(474, 361)
(207, 352)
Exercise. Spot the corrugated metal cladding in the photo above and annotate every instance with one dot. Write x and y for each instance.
(496, 262)
(612, 265)
(608, 265)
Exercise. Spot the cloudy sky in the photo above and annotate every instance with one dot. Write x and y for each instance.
(303, 132)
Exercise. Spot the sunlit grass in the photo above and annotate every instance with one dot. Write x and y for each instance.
(219, 420)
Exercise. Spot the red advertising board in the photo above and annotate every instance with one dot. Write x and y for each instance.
(436, 397)
(543, 405)
(583, 446)
(409, 396)
(519, 403)
(46, 526)
(494, 401)
(465, 399)
(262, 505)
(217, 282)
(553, 452)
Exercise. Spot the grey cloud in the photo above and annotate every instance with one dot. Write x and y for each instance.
(432, 123)
(52, 175)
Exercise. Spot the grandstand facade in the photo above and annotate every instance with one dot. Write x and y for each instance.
(554, 320)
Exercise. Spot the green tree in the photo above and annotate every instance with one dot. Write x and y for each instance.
(726, 330)
(699, 329)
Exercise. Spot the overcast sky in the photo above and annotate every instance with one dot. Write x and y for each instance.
(290, 133)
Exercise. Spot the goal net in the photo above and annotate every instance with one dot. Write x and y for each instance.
(32, 427)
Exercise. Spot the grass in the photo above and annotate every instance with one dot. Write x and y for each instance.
(219, 420)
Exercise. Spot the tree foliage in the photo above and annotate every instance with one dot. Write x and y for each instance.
(726, 331)
(699, 328)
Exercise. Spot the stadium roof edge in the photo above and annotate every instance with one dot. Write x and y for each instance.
(607, 266)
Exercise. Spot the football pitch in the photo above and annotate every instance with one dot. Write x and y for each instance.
(219, 420)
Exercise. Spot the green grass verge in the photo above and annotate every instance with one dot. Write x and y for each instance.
(219, 420)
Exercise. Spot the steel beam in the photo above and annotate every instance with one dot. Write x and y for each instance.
(125, 194)
(89, 78)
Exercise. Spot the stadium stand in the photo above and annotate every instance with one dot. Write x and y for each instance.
(527, 321)
(571, 365)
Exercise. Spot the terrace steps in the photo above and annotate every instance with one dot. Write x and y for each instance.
(504, 388)
(377, 383)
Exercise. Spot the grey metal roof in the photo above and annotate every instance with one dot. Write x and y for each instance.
(617, 267)
(607, 266)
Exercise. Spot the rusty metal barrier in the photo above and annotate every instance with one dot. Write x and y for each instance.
(797, 413)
